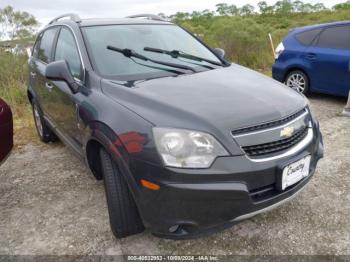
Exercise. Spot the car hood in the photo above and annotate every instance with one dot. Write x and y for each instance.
(216, 101)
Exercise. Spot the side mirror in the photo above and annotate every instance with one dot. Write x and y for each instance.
(59, 71)
(219, 52)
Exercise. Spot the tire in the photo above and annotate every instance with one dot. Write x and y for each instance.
(298, 81)
(123, 213)
(44, 131)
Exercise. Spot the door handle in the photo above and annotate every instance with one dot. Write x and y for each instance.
(33, 74)
(311, 56)
(49, 86)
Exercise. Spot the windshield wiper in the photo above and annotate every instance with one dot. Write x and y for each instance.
(177, 53)
(131, 53)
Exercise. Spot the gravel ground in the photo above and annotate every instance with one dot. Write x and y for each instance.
(50, 204)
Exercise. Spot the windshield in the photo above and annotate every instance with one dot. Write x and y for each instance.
(137, 37)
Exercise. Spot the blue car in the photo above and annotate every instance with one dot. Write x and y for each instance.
(315, 59)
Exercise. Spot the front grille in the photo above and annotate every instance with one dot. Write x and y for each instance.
(276, 146)
(268, 125)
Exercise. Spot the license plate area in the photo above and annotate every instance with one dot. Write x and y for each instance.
(295, 172)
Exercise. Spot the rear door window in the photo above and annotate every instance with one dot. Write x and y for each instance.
(335, 37)
(46, 44)
(306, 38)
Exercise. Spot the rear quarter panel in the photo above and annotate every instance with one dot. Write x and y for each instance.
(291, 59)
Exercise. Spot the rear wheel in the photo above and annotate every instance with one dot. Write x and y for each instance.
(298, 81)
(123, 213)
(44, 132)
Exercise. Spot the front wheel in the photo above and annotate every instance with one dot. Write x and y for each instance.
(123, 213)
(298, 81)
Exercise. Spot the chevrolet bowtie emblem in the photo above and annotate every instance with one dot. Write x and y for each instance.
(287, 132)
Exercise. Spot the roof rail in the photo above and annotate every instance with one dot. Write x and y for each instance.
(147, 16)
(71, 16)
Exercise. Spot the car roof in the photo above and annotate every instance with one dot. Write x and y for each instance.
(119, 21)
(319, 26)
(110, 21)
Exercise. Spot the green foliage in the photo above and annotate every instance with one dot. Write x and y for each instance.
(13, 78)
(16, 24)
(243, 39)
(225, 9)
(244, 34)
(343, 6)
(13, 89)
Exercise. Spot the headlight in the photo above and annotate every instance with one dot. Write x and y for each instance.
(186, 148)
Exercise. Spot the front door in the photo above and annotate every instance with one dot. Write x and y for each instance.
(64, 104)
(42, 55)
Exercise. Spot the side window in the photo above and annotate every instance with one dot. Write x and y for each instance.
(335, 37)
(67, 50)
(36, 46)
(46, 44)
(306, 38)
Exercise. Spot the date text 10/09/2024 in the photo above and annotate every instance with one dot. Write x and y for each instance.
(173, 258)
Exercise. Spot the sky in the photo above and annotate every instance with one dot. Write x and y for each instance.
(44, 10)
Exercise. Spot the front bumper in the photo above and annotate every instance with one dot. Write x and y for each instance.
(192, 203)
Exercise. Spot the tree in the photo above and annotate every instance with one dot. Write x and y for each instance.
(262, 7)
(342, 6)
(179, 16)
(222, 9)
(226, 10)
(319, 7)
(298, 6)
(283, 7)
(307, 8)
(233, 10)
(16, 24)
(246, 10)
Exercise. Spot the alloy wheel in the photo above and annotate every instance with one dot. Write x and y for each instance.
(297, 82)
(38, 122)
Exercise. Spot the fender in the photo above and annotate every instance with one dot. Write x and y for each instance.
(118, 146)
(305, 67)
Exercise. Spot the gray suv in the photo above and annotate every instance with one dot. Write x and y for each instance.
(185, 141)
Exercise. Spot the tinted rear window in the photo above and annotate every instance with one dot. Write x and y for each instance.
(306, 38)
(335, 37)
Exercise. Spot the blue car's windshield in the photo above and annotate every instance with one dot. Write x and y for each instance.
(137, 37)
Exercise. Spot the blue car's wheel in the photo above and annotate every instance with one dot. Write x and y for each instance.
(298, 80)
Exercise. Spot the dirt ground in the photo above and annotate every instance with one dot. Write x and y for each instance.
(50, 204)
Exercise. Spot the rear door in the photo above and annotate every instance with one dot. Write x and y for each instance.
(330, 61)
(42, 55)
(64, 103)
(33, 70)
